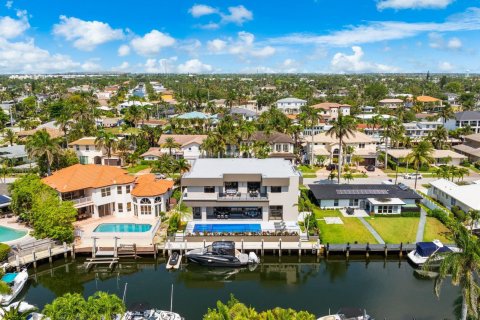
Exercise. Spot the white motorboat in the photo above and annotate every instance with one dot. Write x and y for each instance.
(152, 314)
(16, 281)
(221, 254)
(348, 314)
(429, 250)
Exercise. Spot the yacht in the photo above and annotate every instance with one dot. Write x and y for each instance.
(221, 254)
(16, 281)
(152, 314)
(348, 314)
(424, 250)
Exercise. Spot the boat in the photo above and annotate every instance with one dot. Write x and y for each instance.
(348, 314)
(221, 254)
(16, 281)
(152, 314)
(174, 261)
(429, 250)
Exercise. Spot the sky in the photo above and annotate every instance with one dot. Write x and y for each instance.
(246, 36)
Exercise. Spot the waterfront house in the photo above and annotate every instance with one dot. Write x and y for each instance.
(189, 147)
(100, 191)
(373, 198)
(450, 194)
(420, 129)
(470, 147)
(290, 105)
(242, 189)
(88, 153)
(440, 157)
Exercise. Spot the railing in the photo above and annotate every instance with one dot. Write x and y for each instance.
(242, 197)
(81, 201)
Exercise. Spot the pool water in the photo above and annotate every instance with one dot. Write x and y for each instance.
(122, 227)
(227, 227)
(9, 234)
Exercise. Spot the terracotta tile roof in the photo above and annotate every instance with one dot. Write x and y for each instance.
(183, 139)
(54, 133)
(427, 99)
(85, 141)
(329, 105)
(81, 176)
(156, 152)
(149, 186)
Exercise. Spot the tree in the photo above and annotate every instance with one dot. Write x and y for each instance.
(261, 149)
(474, 215)
(421, 154)
(105, 306)
(446, 113)
(348, 176)
(342, 128)
(43, 148)
(106, 140)
(151, 134)
(309, 117)
(375, 92)
(14, 313)
(387, 125)
(356, 159)
(438, 137)
(9, 136)
(23, 192)
(70, 306)
(462, 266)
(170, 144)
(182, 166)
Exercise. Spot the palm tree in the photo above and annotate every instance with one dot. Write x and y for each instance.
(70, 306)
(446, 113)
(134, 114)
(438, 137)
(170, 143)
(182, 166)
(106, 140)
(387, 125)
(261, 149)
(42, 147)
(123, 148)
(9, 136)
(342, 128)
(309, 117)
(105, 305)
(421, 154)
(14, 313)
(348, 176)
(356, 159)
(151, 134)
(474, 216)
(64, 122)
(462, 266)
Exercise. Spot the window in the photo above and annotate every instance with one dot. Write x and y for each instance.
(209, 189)
(105, 192)
(275, 212)
(83, 160)
(77, 147)
(353, 202)
(361, 145)
(453, 201)
(87, 148)
(231, 186)
(275, 189)
(145, 208)
(285, 148)
(158, 200)
(119, 189)
(335, 203)
(385, 209)
(278, 148)
(120, 207)
(197, 213)
(129, 206)
(127, 189)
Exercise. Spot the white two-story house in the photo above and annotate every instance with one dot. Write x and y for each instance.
(188, 147)
(331, 110)
(420, 129)
(290, 105)
(242, 189)
(88, 153)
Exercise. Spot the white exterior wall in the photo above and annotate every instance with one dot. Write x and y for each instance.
(91, 153)
(446, 199)
(115, 198)
(191, 151)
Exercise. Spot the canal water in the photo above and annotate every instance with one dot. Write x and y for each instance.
(387, 289)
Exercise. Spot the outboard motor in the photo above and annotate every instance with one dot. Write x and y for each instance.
(252, 258)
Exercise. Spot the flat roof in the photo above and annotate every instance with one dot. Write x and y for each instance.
(467, 194)
(216, 168)
(360, 191)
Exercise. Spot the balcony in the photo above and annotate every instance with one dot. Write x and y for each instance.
(242, 196)
(82, 202)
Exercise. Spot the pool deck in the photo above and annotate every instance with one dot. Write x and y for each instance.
(265, 225)
(12, 224)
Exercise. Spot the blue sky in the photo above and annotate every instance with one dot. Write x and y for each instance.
(223, 36)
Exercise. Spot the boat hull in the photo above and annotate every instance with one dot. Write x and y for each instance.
(216, 261)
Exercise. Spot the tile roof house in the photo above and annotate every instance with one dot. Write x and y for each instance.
(98, 191)
(88, 153)
(290, 105)
(331, 110)
(189, 147)
(52, 132)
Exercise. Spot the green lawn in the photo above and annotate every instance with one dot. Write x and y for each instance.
(434, 229)
(308, 169)
(395, 229)
(137, 168)
(309, 175)
(350, 231)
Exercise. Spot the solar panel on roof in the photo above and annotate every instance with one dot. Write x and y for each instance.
(362, 191)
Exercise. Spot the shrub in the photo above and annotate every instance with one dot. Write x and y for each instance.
(477, 165)
(4, 251)
(424, 168)
(174, 223)
(410, 214)
(465, 163)
(459, 213)
(440, 215)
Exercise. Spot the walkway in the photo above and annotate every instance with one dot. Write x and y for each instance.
(372, 231)
(421, 226)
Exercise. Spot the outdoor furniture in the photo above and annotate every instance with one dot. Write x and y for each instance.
(350, 211)
(231, 192)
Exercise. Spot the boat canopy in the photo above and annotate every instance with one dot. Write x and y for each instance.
(224, 247)
(9, 277)
(426, 249)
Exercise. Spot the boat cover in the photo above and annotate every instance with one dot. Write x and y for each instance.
(426, 249)
(9, 277)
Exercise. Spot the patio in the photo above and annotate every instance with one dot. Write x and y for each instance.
(357, 213)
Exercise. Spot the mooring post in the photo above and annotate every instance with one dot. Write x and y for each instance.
(347, 253)
(367, 251)
(155, 251)
(50, 253)
(385, 250)
(262, 251)
(242, 245)
(169, 248)
(401, 250)
(94, 248)
(34, 259)
(135, 250)
(17, 258)
(299, 248)
(280, 247)
(327, 251)
(65, 250)
(73, 251)
(115, 248)
(204, 244)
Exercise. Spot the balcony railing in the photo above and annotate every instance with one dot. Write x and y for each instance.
(242, 197)
(81, 201)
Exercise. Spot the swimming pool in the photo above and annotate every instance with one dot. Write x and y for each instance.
(237, 227)
(122, 227)
(9, 234)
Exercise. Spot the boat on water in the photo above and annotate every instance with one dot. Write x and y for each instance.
(348, 314)
(429, 250)
(16, 281)
(153, 314)
(221, 254)
(174, 261)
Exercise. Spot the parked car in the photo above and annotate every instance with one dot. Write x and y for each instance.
(370, 168)
(412, 176)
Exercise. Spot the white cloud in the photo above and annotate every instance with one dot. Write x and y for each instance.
(209, 26)
(11, 28)
(194, 66)
(86, 35)
(152, 42)
(160, 65)
(200, 10)
(445, 66)
(354, 63)
(385, 30)
(191, 46)
(9, 4)
(124, 66)
(237, 15)
(437, 41)
(91, 65)
(454, 43)
(413, 4)
(243, 46)
(123, 50)
(26, 57)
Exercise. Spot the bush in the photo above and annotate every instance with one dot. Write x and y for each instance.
(403, 214)
(477, 165)
(440, 215)
(465, 163)
(174, 223)
(459, 213)
(4, 251)
(424, 168)
(410, 214)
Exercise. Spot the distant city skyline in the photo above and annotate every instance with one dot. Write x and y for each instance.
(314, 36)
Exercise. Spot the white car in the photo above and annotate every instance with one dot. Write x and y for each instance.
(412, 175)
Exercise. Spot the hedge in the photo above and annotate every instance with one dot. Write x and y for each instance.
(403, 214)
(4, 251)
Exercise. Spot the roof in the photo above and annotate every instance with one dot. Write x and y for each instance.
(473, 137)
(356, 137)
(360, 191)
(149, 186)
(153, 151)
(329, 105)
(273, 137)
(216, 168)
(243, 111)
(466, 194)
(85, 141)
(52, 132)
(80, 176)
(391, 101)
(12, 152)
(183, 139)
(194, 115)
(467, 115)
(291, 99)
(427, 99)
(437, 154)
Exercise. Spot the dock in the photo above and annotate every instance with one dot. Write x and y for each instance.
(111, 262)
(35, 251)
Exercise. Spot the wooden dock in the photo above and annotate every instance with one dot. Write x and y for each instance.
(111, 262)
(36, 251)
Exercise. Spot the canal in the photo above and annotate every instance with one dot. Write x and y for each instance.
(387, 289)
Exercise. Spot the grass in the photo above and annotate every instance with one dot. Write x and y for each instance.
(308, 169)
(350, 231)
(309, 175)
(118, 130)
(396, 229)
(137, 168)
(434, 229)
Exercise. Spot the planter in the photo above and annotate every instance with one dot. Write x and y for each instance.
(245, 238)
